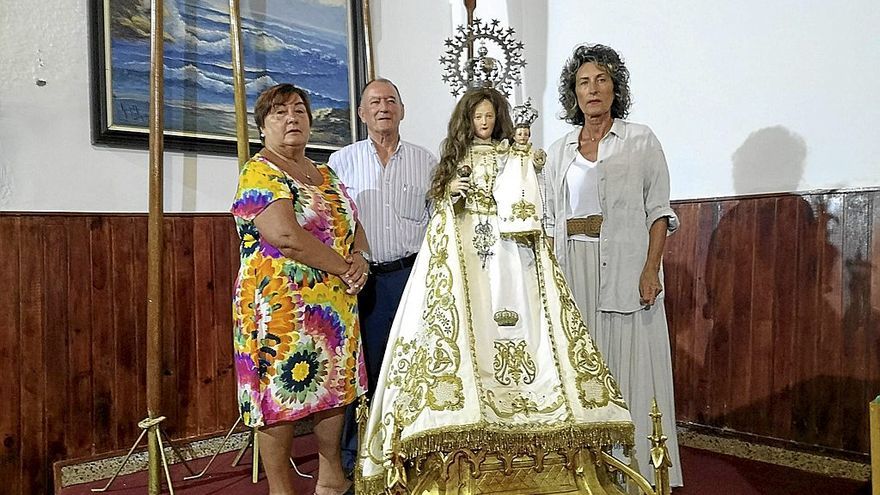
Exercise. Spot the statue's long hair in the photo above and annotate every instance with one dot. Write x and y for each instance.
(460, 134)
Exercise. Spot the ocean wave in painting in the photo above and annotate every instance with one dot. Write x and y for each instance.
(198, 71)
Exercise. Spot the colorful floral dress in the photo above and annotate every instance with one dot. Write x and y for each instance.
(296, 333)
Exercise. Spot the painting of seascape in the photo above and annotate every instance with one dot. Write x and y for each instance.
(304, 42)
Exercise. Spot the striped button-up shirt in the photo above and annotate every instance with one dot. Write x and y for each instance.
(392, 200)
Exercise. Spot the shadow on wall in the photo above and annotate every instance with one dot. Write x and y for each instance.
(5, 186)
(786, 339)
(770, 160)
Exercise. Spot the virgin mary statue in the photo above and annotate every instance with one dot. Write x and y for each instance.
(490, 381)
(489, 362)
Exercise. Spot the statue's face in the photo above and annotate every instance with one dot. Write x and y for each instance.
(522, 135)
(484, 120)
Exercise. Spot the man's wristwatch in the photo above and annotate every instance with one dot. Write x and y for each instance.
(364, 254)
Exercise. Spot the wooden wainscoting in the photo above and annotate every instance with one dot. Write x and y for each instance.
(72, 380)
(774, 309)
(773, 301)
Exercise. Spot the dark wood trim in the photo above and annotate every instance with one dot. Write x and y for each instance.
(811, 192)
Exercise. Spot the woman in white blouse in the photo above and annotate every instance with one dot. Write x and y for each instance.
(607, 191)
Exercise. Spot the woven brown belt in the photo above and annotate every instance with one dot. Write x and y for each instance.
(589, 226)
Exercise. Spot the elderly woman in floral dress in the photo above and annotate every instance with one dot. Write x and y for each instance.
(296, 332)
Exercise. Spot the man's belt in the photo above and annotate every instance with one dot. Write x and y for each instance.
(393, 266)
(589, 226)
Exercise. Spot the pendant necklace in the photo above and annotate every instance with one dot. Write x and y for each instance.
(292, 164)
(306, 174)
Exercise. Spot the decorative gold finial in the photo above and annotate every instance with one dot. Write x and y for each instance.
(395, 478)
(659, 452)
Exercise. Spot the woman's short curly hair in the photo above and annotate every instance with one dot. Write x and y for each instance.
(609, 60)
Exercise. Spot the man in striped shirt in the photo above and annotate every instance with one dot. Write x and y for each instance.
(388, 178)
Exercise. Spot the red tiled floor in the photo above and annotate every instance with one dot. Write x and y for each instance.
(708, 473)
(705, 473)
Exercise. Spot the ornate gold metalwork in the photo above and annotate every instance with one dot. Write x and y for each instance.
(659, 453)
(362, 415)
(469, 472)
(513, 363)
(514, 469)
(396, 478)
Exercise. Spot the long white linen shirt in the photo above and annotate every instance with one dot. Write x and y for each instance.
(392, 200)
(633, 194)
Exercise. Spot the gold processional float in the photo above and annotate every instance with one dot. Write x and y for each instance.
(564, 472)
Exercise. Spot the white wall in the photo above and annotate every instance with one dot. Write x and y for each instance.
(750, 82)
(768, 79)
(46, 160)
(782, 93)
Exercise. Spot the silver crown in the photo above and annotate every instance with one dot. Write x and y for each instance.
(482, 71)
(524, 115)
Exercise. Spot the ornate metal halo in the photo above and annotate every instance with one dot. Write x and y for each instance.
(481, 70)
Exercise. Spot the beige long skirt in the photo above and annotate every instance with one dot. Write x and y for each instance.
(636, 349)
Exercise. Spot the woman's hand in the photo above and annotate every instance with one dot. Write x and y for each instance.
(460, 186)
(358, 272)
(649, 287)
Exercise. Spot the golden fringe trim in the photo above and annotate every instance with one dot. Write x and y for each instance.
(519, 441)
(374, 485)
(495, 438)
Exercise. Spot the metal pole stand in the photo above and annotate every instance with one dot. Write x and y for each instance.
(217, 452)
(252, 441)
(151, 426)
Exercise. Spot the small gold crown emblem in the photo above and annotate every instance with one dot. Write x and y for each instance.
(506, 318)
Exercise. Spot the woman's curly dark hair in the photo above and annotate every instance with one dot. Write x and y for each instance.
(460, 134)
(609, 60)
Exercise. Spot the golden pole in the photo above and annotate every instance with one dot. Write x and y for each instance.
(243, 141)
(154, 242)
(874, 408)
(368, 40)
(241, 124)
